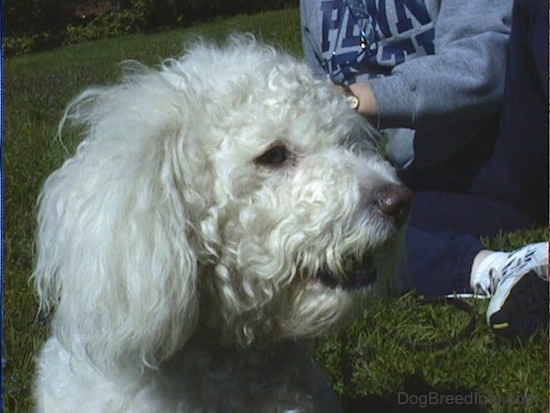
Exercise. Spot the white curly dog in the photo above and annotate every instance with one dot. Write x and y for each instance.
(220, 212)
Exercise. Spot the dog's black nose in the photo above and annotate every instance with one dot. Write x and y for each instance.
(394, 201)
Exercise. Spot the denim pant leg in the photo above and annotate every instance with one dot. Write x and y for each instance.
(438, 263)
(518, 169)
(464, 213)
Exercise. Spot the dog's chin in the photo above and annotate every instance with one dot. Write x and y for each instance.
(359, 274)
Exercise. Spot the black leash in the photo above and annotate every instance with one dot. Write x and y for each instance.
(344, 339)
(440, 344)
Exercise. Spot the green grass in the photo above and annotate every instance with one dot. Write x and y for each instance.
(374, 357)
(369, 358)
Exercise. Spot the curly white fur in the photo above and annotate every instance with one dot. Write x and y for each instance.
(183, 263)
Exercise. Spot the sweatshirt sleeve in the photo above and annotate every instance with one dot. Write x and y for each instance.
(309, 38)
(463, 79)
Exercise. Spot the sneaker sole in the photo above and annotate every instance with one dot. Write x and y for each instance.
(524, 311)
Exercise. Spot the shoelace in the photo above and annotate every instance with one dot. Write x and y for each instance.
(486, 291)
(512, 266)
(494, 279)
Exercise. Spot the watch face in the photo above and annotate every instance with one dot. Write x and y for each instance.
(353, 101)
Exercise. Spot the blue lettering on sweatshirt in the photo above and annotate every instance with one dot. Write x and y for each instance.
(402, 29)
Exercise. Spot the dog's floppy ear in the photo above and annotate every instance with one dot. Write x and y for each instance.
(115, 249)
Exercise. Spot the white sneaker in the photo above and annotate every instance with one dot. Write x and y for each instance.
(517, 283)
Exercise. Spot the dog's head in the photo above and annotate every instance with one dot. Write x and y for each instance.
(229, 189)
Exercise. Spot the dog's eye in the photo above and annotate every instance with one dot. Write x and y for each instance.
(277, 155)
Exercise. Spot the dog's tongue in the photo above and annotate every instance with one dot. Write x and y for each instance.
(363, 275)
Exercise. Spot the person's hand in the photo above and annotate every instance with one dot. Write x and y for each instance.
(367, 101)
(368, 106)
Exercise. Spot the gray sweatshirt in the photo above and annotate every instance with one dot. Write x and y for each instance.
(432, 64)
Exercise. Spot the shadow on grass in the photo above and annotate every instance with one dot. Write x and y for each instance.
(419, 396)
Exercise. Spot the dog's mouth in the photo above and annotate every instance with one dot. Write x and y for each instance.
(358, 274)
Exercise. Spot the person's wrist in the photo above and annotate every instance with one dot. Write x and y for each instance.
(367, 106)
(353, 101)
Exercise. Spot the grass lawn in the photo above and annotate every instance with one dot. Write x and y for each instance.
(369, 362)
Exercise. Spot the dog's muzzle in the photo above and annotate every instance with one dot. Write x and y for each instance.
(360, 275)
(393, 203)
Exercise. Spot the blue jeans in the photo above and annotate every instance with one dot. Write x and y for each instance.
(438, 263)
(498, 183)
